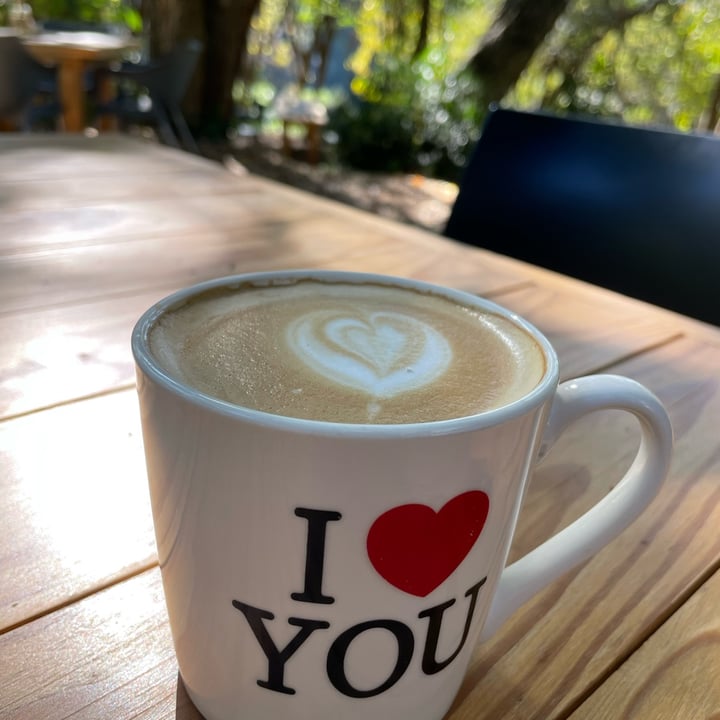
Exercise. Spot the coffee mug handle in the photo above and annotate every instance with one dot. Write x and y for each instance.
(611, 515)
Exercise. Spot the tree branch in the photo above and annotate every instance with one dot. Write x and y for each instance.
(511, 41)
(713, 110)
(424, 28)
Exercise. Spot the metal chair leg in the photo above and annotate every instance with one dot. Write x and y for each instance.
(183, 130)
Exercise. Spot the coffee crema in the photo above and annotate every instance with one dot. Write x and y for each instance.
(345, 352)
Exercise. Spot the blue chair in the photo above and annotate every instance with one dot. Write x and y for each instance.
(165, 82)
(22, 79)
(634, 210)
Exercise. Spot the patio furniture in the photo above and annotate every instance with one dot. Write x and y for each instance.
(74, 54)
(311, 115)
(632, 209)
(56, 25)
(152, 93)
(22, 79)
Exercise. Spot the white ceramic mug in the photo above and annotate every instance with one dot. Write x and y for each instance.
(289, 592)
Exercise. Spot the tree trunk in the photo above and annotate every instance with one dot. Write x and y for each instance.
(222, 26)
(227, 23)
(324, 35)
(506, 49)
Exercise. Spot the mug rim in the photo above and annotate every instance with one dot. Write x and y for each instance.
(151, 368)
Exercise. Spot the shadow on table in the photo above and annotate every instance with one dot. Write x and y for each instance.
(184, 708)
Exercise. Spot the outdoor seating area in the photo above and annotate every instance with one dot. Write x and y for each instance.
(78, 75)
(359, 360)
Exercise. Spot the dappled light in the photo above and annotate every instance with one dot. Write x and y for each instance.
(388, 88)
(546, 168)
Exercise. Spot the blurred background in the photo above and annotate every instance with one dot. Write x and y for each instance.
(403, 86)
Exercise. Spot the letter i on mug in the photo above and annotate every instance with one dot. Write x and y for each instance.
(336, 464)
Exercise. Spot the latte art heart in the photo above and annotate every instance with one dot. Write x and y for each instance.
(379, 344)
(382, 354)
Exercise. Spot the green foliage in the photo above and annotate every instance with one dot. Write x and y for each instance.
(450, 114)
(414, 116)
(606, 58)
(282, 27)
(433, 104)
(414, 109)
(259, 93)
(375, 136)
(89, 11)
(391, 27)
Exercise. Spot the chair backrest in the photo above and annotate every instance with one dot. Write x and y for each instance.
(20, 76)
(173, 73)
(631, 209)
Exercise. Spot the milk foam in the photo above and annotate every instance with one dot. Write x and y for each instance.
(347, 353)
(379, 353)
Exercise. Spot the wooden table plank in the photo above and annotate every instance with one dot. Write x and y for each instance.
(562, 644)
(123, 223)
(553, 652)
(675, 675)
(582, 324)
(143, 684)
(304, 232)
(63, 353)
(57, 362)
(30, 230)
(107, 156)
(96, 684)
(76, 274)
(74, 503)
(77, 191)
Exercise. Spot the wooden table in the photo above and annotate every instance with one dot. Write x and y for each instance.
(94, 231)
(74, 53)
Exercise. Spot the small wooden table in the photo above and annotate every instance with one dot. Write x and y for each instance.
(92, 231)
(74, 53)
(310, 115)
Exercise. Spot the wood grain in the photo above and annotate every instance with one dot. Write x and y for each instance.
(60, 665)
(675, 675)
(74, 503)
(552, 653)
(67, 351)
(565, 642)
(105, 157)
(93, 231)
(64, 353)
(580, 327)
(25, 229)
(59, 360)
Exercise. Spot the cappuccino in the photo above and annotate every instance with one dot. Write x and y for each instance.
(346, 352)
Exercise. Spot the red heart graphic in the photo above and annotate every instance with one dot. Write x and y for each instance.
(415, 548)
